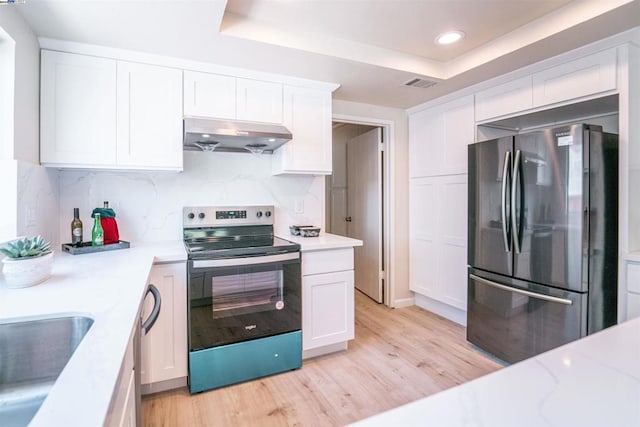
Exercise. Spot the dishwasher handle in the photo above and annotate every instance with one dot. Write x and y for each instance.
(157, 302)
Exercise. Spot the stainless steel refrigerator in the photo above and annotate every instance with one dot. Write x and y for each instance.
(543, 239)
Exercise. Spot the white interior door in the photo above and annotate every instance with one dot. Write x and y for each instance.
(364, 204)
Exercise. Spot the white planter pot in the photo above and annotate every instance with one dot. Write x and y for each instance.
(25, 272)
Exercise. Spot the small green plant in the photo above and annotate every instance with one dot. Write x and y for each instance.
(26, 247)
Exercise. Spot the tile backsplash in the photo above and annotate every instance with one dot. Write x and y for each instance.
(149, 205)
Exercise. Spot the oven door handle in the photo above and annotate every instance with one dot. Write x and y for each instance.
(240, 262)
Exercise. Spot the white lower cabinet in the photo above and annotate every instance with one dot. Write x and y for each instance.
(327, 301)
(633, 289)
(164, 348)
(438, 242)
(122, 411)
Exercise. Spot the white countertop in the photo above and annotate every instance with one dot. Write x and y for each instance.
(633, 256)
(322, 242)
(108, 287)
(594, 381)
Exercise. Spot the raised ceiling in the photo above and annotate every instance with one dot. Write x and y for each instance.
(370, 47)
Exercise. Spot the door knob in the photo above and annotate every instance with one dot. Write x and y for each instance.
(348, 219)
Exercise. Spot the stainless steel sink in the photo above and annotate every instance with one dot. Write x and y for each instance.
(32, 355)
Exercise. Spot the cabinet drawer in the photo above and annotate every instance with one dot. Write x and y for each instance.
(327, 261)
(633, 277)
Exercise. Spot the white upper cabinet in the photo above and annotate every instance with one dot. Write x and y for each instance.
(258, 101)
(78, 110)
(209, 95)
(508, 98)
(225, 97)
(149, 116)
(438, 138)
(307, 115)
(103, 113)
(585, 76)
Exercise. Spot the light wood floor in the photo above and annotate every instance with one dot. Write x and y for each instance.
(398, 356)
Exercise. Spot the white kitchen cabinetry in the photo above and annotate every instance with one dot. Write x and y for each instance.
(438, 242)
(585, 76)
(438, 138)
(164, 348)
(258, 101)
(78, 110)
(307, 115)
(226, 97)
(103, 113)
(209, 95)
(327, 301)
(149, 116)
(633, 289)
(505, 99)
(122, 410)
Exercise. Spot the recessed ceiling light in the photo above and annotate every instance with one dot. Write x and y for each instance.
(449, 37)
(205, 135)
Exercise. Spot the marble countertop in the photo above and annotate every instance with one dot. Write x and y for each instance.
(108, 287)
(594, 381)
(322, 242)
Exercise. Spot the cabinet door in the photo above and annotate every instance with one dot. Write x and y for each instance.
(438, 138)
(149, 116)
(508, 98)
(78, 110)
(438, 242)
(307, 114)
(258, 101)
(327, 309)
(164, 348)
(209, 95)
(586, 76)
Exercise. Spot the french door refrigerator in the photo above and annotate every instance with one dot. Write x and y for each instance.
(542, 250)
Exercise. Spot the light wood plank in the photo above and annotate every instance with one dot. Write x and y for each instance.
(398, 356)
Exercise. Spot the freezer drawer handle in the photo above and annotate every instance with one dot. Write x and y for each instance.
(503, 210)
(521, 291)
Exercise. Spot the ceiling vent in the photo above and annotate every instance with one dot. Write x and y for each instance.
(421, 83)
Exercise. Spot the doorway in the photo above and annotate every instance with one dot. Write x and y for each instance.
(355, 200)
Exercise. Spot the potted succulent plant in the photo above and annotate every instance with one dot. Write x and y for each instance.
(27, 261)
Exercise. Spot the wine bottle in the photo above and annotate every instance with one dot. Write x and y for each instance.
(97, 234)
(76, 228)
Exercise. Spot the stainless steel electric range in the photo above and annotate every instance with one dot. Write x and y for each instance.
(244, 293)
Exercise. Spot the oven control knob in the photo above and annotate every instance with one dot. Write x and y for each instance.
(267, 214)
(191, 215)
(259, 214)
(201, 215)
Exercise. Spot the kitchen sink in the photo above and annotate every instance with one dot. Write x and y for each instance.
(33, 353)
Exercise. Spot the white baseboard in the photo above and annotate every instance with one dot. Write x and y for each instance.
(320, 351)
(163, 385)
(441, 309)
(404, 302)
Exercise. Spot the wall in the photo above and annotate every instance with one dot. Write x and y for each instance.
(29, 191)
(149, 205)
(26, 104)
(399, 173)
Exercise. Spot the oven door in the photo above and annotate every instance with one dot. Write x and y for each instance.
(238, 299)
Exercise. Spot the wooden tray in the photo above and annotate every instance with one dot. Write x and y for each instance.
(86, 247)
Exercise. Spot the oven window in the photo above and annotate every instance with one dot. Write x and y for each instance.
(246, 292)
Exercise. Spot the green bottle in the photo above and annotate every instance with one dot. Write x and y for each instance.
(97, 234)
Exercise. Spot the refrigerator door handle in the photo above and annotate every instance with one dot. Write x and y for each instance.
(503, 210)
(521, 291)
(514, 192)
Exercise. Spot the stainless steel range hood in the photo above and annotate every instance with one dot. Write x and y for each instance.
(233, 136)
